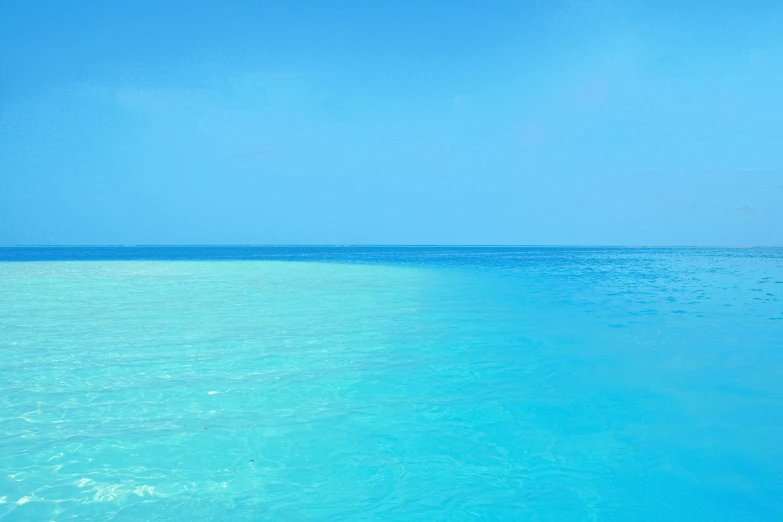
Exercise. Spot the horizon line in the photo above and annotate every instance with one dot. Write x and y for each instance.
(373, 245)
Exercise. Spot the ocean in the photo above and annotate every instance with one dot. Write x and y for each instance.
(391, 383)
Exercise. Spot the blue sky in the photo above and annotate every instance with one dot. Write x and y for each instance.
(552, 122)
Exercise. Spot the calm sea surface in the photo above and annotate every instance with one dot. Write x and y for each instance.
(391, 384)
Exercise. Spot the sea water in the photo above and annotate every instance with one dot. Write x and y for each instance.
(391, 384)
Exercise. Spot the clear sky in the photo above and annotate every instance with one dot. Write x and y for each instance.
(440, 122)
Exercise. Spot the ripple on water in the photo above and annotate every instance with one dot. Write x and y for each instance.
(430, 384)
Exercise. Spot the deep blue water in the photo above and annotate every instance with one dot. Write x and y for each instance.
(420, 383)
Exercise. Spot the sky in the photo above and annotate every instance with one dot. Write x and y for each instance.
(579, 122)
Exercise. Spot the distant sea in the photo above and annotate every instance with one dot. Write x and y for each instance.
(391, 383)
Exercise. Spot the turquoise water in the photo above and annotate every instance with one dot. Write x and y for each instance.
(395, 384)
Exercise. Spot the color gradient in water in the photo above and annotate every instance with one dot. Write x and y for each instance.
(244, 383)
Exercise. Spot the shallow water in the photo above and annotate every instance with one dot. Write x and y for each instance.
(391, 383)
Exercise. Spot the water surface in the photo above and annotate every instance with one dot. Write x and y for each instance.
(244, 383)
